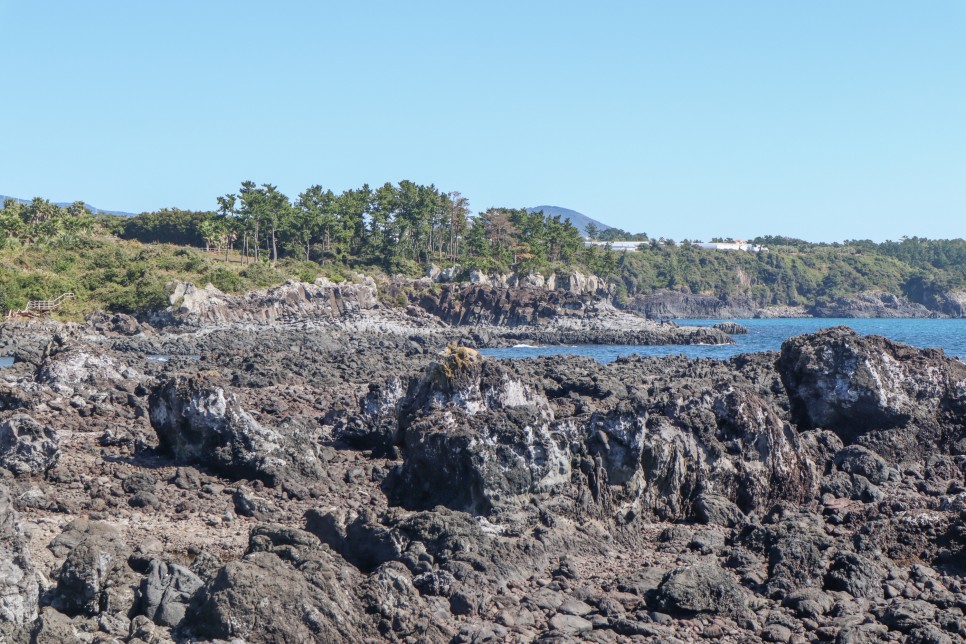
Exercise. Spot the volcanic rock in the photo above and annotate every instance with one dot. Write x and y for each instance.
(95, 577)
(27, 448)
(701, 588)
(199, 423)
(165, 592)
(853, 385)
(19, 589)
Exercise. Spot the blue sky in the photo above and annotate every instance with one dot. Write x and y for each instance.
(825, 120)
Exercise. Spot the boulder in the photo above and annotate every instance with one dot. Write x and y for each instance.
(859, 460)
(27, 448)
(95, 577)
(199, 423)
(117, 323)
(796, 548)
(375, 425)
(53, 627)
(165, 592)
(731, 328)
(908, 614)
(701, 588)
(839, 380)
(389, 594)
(717, 510)
(856, 574)
(687, 438)
(287, 588)
(67, 369)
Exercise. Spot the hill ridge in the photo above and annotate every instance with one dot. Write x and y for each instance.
(578, 219)
(93, 209)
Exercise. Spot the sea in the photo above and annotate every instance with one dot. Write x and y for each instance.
(763, 335)
(768, 335)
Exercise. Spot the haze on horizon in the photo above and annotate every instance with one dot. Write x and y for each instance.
(824, 121)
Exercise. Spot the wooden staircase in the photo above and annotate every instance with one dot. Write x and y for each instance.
(37, 308)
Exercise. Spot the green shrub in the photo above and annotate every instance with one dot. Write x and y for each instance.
(225, 280)
(261, 275)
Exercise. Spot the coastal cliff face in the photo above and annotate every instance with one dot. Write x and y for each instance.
(873, 305)
(289, 301)
(665, 304)
(511, 300)
(358, 479)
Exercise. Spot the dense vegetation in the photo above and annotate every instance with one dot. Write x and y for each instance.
(260, 237)
(396, 228)
(46, 250)
(794, 272)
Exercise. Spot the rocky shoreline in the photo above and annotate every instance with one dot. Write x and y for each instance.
(878, 304)
(307, 463)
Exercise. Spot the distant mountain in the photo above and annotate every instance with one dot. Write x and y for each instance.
(96, 211)
(579, 220)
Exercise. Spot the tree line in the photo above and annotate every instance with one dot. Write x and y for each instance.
(401, 228)
(396, 227)
(41, 220)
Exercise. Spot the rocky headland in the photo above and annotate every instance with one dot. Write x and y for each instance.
(307, 463)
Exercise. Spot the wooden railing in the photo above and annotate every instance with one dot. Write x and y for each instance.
(45, 306)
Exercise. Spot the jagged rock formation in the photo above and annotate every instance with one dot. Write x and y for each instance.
(285, 589)
(288, 302)
(502, 306)
(572, 283)
(94, 578)
(731, 328)
(554, 317)
(854, 385)
(476, 436)
(165, 592)
(198, 422)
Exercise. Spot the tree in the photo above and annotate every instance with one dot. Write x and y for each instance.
(592, 231)
(459, 209)
(229, 219)
(316, 212)
(263, 210)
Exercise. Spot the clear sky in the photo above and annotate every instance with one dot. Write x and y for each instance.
(826, 120)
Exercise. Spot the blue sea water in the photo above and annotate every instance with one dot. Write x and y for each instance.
(768, 335)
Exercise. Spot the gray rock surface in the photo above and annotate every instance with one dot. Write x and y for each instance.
(853, 385)
(19, 589)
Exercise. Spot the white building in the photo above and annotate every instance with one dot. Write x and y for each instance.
(735, 245)
(617, 245)
(633, 245)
